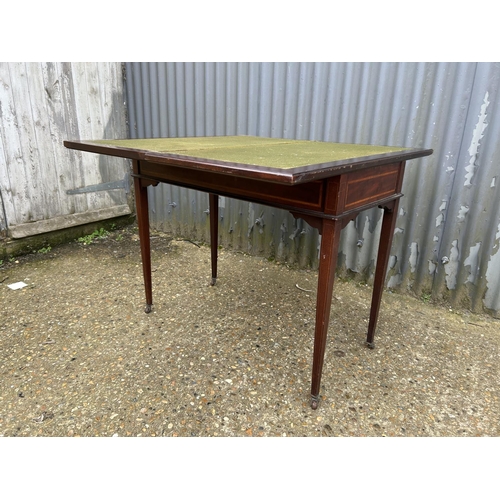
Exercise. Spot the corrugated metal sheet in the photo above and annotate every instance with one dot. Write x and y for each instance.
(448, 230)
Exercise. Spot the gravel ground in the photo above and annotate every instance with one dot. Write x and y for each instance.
(78, 356)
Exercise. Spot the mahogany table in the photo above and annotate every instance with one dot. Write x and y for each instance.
(326, 184)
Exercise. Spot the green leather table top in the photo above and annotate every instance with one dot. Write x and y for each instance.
(258, 151)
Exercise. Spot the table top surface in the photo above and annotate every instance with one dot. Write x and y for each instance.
(281, 160)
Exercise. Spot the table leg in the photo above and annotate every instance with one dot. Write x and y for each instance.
(388, 225)
(330, 237)
(214, 232)
(141, 202)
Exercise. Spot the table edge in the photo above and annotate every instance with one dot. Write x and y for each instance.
(293, 175)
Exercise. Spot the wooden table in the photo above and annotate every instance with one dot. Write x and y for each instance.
(326, 184)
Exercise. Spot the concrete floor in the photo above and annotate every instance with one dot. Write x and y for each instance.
(78, 356)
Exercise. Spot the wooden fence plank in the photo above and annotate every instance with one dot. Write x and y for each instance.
(41, 105)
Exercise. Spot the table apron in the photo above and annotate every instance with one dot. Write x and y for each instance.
(309, 195)
(339, 197)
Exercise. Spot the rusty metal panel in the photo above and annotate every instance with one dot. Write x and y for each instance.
(448, 231)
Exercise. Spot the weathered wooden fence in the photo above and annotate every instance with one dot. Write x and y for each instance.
(43, 185)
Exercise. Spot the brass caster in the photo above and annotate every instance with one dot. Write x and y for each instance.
(314, 402)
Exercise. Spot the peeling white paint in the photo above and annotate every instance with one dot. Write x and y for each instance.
(450, 167)
(472, 261)
(399, 230)
(432, 267)
(349, 237)
(477, 135)
(360, 260)
(435, 239)
(392, 261)
(395, 281)
(451, 266)
(413, 256)
(493, 182)
(440, 217)
(492, 297)
(464, 210)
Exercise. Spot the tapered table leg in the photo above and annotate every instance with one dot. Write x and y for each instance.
(388, 225)
(330, 237)
(141, 202)
(214, 232)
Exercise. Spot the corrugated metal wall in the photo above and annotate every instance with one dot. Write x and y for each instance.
(448, 231)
